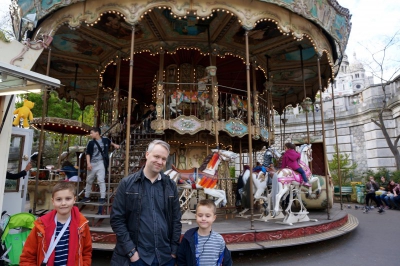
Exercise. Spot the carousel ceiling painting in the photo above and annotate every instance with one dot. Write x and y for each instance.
(287, 39)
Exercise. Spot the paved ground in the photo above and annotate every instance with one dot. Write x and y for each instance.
(374, 242)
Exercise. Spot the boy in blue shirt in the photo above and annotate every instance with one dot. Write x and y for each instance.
(201, 246)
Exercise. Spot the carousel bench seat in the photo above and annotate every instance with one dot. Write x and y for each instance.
(346, 192)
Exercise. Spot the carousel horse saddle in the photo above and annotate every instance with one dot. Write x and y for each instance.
(290, 175)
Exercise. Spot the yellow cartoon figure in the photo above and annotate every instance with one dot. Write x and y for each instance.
(25, 113)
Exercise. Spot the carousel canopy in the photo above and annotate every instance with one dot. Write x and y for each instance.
(286, 38)
(61, 126)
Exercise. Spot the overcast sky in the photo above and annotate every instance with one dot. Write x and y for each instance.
(371, 21)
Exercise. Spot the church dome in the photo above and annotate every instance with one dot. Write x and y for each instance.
(356, 65)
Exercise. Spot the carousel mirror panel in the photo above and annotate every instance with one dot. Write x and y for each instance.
(14, 162)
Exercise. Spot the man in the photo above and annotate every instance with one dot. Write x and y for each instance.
(97, 163)
(20, 174)
(149, 116)
(146, 215)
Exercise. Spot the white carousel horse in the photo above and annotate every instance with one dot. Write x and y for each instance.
(305, 153)
(260, 183)
(205, 177)
(289, 182)
(176, 99)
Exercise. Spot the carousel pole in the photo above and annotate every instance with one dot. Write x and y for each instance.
(115, 111)
(305, 92)
(72, 111)
(337, 147)
(280, 130)
(324, 139)
(249, 127)
(41, 138)
(60, 150)
(240, 158)
(284, 120)
(314, 114)
(97, 109)
(128, 118)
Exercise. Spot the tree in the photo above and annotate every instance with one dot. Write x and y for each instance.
(56, 108)
(347, 167)
(385, 66)
(6, 32)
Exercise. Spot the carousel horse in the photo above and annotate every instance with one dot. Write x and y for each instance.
(239, 105)
(205, 177)
(289, 181)
(260, 183)
(176, 99)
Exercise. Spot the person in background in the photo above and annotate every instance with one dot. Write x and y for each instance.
(390, 194)
(146, 215)
(290, 160)
(70, 171)
(97, 163)
(381, 193)
(149, 116)
(371, 188)
(20, 174)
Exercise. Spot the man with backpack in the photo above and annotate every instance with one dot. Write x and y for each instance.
(97, 163)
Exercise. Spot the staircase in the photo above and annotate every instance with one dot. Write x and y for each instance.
(98, 214)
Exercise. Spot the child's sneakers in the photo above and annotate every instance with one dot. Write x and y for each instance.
(84, 200)
(306, 184)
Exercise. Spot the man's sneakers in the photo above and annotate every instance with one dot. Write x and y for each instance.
(381, 210)
(84, 200)
(102, 201)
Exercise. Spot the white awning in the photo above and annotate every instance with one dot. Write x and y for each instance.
(16, 80)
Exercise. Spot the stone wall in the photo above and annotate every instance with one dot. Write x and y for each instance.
(357, 135)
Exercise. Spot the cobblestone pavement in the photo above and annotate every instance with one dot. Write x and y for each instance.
(373, 242)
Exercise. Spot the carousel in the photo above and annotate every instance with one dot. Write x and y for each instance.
(217, 73)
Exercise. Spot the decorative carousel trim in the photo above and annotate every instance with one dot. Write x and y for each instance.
(264, 134)
(235, 127)
(36, 122)
(187, 124)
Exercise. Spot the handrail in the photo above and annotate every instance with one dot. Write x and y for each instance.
(112, 126)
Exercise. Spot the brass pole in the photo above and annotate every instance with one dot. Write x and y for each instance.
(114, 117)
(41, 138)
(305, 92)
(324, 141)
(337, 148)
(249, 128)
(240, 158)
(97, 110)
(128, 122)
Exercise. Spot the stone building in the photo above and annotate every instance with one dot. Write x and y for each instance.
(357, 101)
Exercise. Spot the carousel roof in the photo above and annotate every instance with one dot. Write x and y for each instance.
(90, 37)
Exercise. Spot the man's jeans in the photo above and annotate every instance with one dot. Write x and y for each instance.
(140, 262)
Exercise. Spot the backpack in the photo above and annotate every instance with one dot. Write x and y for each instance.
(15, 230)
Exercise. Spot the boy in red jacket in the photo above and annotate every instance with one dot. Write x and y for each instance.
(62, 236)
(290, 159)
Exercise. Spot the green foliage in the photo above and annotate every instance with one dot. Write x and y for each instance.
(61, 109)
(347, 168)
(382, 172)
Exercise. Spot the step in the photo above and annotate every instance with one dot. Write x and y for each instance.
(96, 216)
(93, 204)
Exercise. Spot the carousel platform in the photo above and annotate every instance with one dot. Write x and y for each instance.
(239, 236)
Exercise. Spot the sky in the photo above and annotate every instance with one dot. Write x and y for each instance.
(372, 21)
